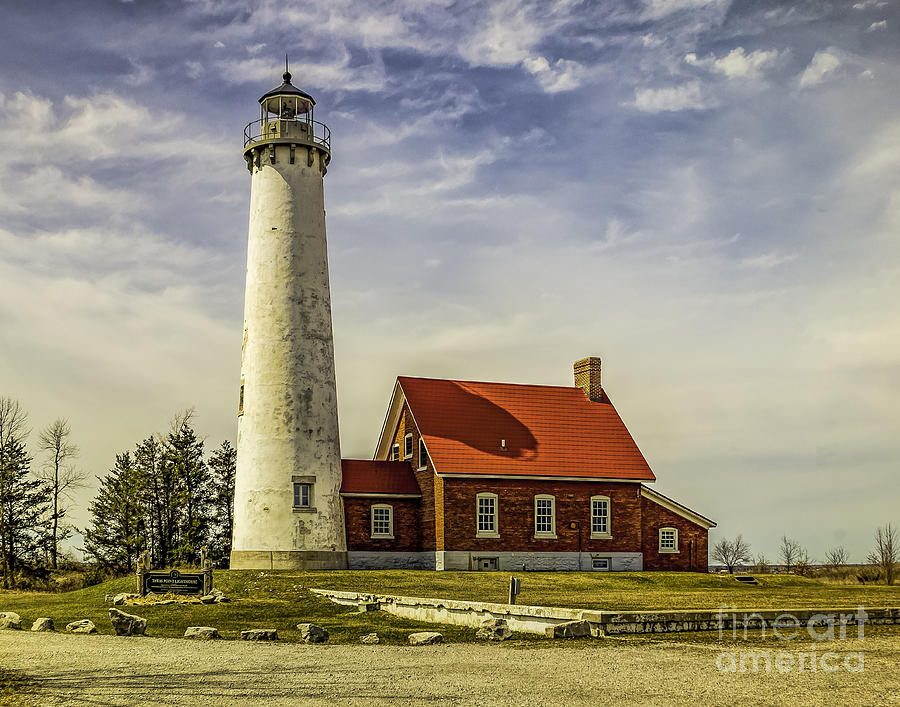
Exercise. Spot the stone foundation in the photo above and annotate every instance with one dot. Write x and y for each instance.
(287, 560)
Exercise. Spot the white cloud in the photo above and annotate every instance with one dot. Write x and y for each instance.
(867, 4)
(823, 65)
(562, 75)
(877, 26)
(687, 96)
(335, 71)
(767, 261)
(657, 9)
(737, 63)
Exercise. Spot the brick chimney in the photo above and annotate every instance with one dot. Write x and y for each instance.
(587, 377)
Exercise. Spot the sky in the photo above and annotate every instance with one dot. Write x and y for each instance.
(703, 193)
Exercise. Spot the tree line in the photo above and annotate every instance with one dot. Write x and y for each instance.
(164, 496)
(885, 555)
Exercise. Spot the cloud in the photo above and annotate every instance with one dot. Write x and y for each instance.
(658, 9)
(823, 65)
(868, 4)
(333, 70)
(687, 96)
(877, 26)
(737, 63)
(767, 261)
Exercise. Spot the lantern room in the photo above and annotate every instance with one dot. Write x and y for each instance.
(287, 102)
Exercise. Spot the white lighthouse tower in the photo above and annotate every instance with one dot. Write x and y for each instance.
(287, 505)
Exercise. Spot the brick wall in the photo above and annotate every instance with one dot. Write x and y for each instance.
(358, 520)
(516, 515)
(692, 540)
(426, 478)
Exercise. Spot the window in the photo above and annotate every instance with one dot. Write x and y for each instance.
(600, 517)
(486, 514)
(407, 447)
(302, 495)
(423, 454)
(395, 453)
(544, 516)
(668, 539)
(382, 521)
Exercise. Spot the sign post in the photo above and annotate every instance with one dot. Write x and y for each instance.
(515, 585)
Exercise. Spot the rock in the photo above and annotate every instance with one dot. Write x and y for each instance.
(368, 606)
(312, 633)
(208, 599)
(370, 639)
(569, 629)
(164, 602)
(43, 624)
(150, 595)
(81, 626)
(216, 592)
(204, 633)
(493, 630)
(120, 599)
(222, 599)
(11, 620)
(425, 638)
(127, 624)
(108, 598)
(259, 634)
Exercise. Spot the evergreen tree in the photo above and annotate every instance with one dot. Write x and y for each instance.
(23, 505)
(116, 535)
(222, 466)
(190, 474)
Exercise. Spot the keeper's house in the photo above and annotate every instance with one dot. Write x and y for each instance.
(494, 476)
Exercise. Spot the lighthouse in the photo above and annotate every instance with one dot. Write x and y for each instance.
(287, 505)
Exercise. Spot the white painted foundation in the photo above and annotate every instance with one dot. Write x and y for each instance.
(537, 561)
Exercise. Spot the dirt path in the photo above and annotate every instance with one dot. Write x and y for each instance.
(105, 670)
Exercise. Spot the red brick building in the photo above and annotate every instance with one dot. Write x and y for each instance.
(486, 476)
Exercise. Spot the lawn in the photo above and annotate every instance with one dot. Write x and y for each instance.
(282, 600)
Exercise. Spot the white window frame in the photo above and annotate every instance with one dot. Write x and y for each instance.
(408, 446)
(395, 452)
(423, 455)
(389, 535)
(298, 493)
(550, 534)
(599, 535)
(665, 548)
(495, 533)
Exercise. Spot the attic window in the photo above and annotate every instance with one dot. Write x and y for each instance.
(423, 454)
(395, 452)
(408, 446)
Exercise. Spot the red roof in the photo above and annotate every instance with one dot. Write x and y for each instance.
(366, 476)
(548, 430)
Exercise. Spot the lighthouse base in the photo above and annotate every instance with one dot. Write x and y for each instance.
(287, 560)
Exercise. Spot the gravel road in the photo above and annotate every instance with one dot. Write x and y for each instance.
(106, 670)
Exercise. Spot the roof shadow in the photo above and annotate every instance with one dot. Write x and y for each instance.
(457, 414)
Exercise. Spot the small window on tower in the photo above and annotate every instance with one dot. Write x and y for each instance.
(407, 447)
(302, 495)
(395, 453)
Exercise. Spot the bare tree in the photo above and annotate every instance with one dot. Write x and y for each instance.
(732, 553)
(791, 552)
(60, 477)
(13, 421)
(761, 564)
(836, 557)
(887, 551)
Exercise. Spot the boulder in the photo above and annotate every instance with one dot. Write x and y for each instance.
(120, 599)
(259, 634)
(81, 626)
(312, 633)
(203, 633)
(569, 629)
(9, 619)
(43, 624)
(370, 639)
(493, 630)
(425, 638)
(208, 599)
(127, 624)
(108, 598)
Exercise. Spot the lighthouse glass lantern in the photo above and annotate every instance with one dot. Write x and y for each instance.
(286, 112)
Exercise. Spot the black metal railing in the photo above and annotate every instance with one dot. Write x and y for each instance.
(288, 129)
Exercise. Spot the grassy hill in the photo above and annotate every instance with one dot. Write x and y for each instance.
(281, 599)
